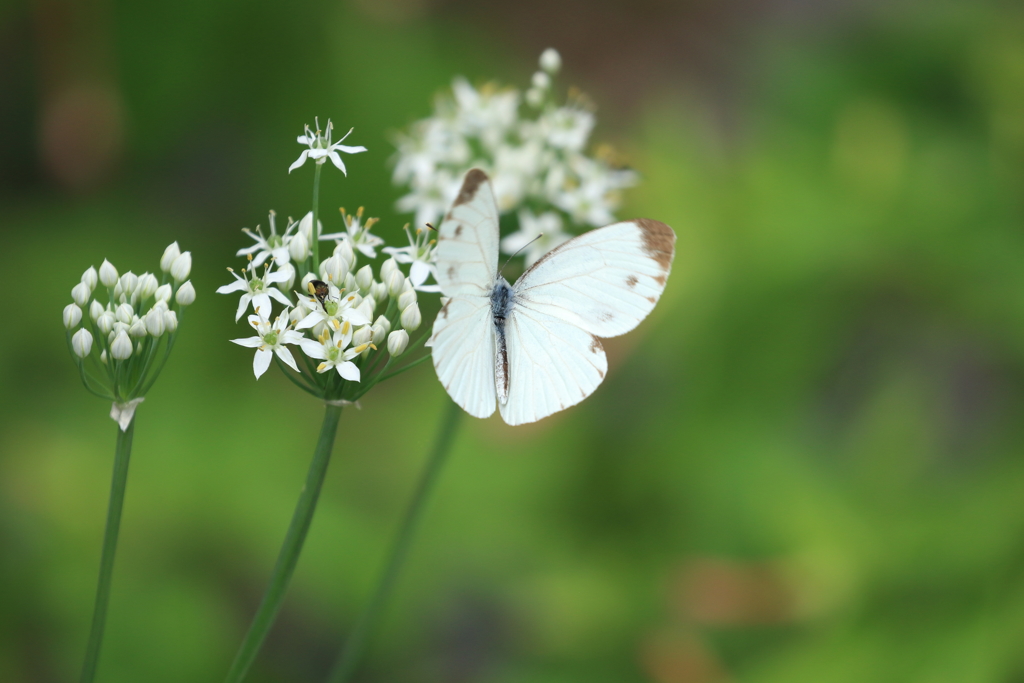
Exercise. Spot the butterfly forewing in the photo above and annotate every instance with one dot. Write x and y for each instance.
(552, 364)
(467, 245)
(605, 281)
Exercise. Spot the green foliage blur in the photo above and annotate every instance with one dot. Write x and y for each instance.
(806, 466)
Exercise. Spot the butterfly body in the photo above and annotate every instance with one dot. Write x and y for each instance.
(532, 348)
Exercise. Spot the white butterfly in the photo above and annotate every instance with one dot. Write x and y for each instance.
(533, 347)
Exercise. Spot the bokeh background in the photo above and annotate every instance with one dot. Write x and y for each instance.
(806, 465)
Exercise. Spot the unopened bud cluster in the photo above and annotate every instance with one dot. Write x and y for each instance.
(118, 321)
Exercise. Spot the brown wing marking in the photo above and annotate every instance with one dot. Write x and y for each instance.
(659, 241)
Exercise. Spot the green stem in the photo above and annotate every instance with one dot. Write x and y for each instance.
(122, 454)
(346, 664)
(315, 246)
(288, 556)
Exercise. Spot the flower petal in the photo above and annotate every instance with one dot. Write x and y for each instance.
(336, 160)
(419, 273)
(248, 342)
(286, 355)
(236, 286)
(261, 361)
(313, 349)
(310, 320)
(243, 304)
(349, 371)
(261, 303)
(278, 296)
(298, 162)
(349, 150)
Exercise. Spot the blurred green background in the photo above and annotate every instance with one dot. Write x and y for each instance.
(806, 465)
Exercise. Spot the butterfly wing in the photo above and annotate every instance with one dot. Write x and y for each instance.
(605, 281)
(552, 364)
(463, 335)
(600, 284)
(467, 241)
(463, 352)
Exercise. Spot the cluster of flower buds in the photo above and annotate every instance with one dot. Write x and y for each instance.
(344, 316)
(535, 154)
(119, 322)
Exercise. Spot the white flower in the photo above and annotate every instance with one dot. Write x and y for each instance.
(138, 329)
(121, 348)
(487, 113)
(381, 328)
(567, 128)
(269, 340)
(411, 317)
(182, 266)
(550, 60)
(406, 298)
(148, 284)
(80, 294)
(432, 197)
(170, 321)
(258, 290)
(357, 234)
(420, 253)
(124, 313)
(90, 278)
(529, 235)
(321, 148)
(170, 253)
(432, 142)
(334, 312)
(397, 342)
(105, 323)
(81, 342)
(364, 279)
(163, 292)
(95, 310)
(129, 282)
(72, 316)
(108, 274)
(298, 247)
(274, 245)
(186, 294)
(334, 269)
(334, 352)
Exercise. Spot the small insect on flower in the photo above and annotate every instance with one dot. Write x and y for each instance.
(321, 290)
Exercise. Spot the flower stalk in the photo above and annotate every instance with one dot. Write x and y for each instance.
(354, 647)
(122, 454)
(288, 556)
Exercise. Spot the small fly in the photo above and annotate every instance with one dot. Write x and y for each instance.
(321, 290)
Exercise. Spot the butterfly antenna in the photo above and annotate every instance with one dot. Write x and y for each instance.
(519, 250)
(431, 227)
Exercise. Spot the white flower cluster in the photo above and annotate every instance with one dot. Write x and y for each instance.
(340, 314)
(534, 152)
(129, 316)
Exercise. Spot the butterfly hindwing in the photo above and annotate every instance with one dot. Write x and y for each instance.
(605, 281)
(463, 351)
(467, 245)
(552, 364)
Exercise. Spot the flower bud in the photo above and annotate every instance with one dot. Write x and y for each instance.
(155, 322)
(170, 321)
(306, 279)
(80, 294)
(118, 291)
(138, 329)
(407, 286)
(398, 341)
(124, 313)
(159, 305)
(298, 248)
(182, 266)
(90, 278)
(103, 357)
(395, 282)
(95, 310)
(306, 227)
(129, 281)
(121, 348)
(364, 278)
(411, 317)
(386, 268)
(117, 329)
(298, 313)
(366, 307)
(81, 343)
(541, 80)
(186, 294)
(344, 250)
(379, 292)
(406, 298)
(289, 270)
(108, 274)
(72, 316)
(550, 60)
(362, 336)
(381, 327)
(105, 323)
(163, 293)
(334, 270)
(350, 283)
(170, 253)
(148, 284)
(534, 97)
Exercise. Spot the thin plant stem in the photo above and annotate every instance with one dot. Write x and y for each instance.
(122, 454)
(315, 246)
(288, 556)
(346, 664)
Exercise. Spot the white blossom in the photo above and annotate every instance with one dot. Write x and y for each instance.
(95, 310)
(550, 60)
(357, 234)
(80, 294)
(529, 236)
(121, 348)
(108, 274)
(411, 317)
(258, 290)
(420, 253)
(90, 278)
(270, 340)
(321, 148)
(170, 253)
(155, 324)
(72, 316)
(271, 246)
(182, 266)
(186, 294)
(333, 350)
(397, 342)
(170, 321)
